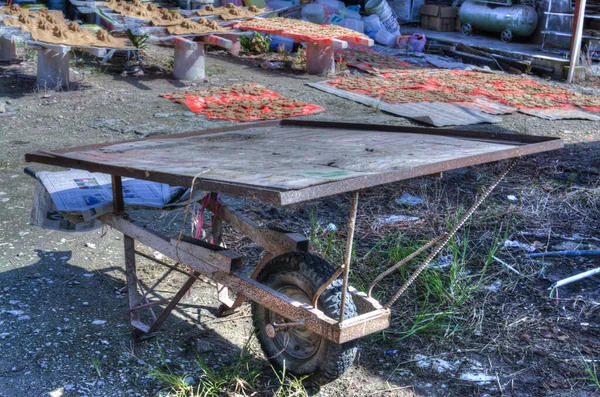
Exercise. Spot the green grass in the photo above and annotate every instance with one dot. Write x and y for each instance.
(289, 385)
(239, 376)
(440, 304)
(96, 364)
(215, 70)
(592, 374)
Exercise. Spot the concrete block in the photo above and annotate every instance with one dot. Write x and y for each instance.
(8, 49)
(52, 69)
(189, 64)
(320, 59)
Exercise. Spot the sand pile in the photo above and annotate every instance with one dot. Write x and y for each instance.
(200, 27)
(300, 27)
(51, 27)
(136, 9)
(231, 11)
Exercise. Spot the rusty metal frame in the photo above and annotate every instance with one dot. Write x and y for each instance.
(216, 263)
(524, 145)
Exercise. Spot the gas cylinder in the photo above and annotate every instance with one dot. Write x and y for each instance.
(509, 21)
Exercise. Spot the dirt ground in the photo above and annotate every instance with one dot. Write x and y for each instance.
(64, 329)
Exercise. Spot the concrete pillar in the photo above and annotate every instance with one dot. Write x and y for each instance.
(8, 49)
(52, 69)
(320, 59)
(189, 61)
(236, 46)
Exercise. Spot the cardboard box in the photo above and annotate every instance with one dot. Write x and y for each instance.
(439, 18)
(458, 26)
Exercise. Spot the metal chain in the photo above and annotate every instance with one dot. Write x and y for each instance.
(449, 236)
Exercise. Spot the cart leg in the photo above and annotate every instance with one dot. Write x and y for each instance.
(189, 60)
(52, 69)
(174, 301)
(319, 58)
(133, 293)
(8, 49)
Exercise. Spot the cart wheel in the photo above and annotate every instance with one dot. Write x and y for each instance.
(506, 36)
(467, 29)
(302, 352)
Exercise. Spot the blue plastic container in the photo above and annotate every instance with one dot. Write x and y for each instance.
(279, 41)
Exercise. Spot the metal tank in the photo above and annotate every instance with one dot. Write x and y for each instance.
(509, 21)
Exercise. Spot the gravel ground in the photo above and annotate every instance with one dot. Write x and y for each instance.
(63, 324)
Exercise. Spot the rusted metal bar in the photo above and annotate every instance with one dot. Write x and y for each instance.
(133, 295)
(211, 254)
(144, 296)
(402, 263)
(327, 283)
(272, 241)
(174, 301)
(145, 305)
(451, 234)
(348, 255)
(314, 320)
(271, 329)
(227, 310)
(157, 282)
(162, 263)
(117, 191)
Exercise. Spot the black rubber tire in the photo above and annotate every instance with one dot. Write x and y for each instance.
(306, 272)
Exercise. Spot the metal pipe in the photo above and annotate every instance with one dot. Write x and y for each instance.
(574, 278)
(348, 255)
(564, 253)
(576, 43)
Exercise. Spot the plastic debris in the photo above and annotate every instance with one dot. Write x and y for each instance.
(409, 199)
(391, 352)
(477, 377)
(272, 65)
(437, 364)
(517, 244)
(386, 38)
(417, 42)
(494, 287)
(393, 219)
(512, 197)
(442, 262)
(331, 227)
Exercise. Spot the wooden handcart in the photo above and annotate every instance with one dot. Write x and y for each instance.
(297, 297)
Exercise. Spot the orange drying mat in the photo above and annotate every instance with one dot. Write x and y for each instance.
(427, 85)
(243, 102)
(371, 61)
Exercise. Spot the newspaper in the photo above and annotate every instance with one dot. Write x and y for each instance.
(45, 214)
(71, 200)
